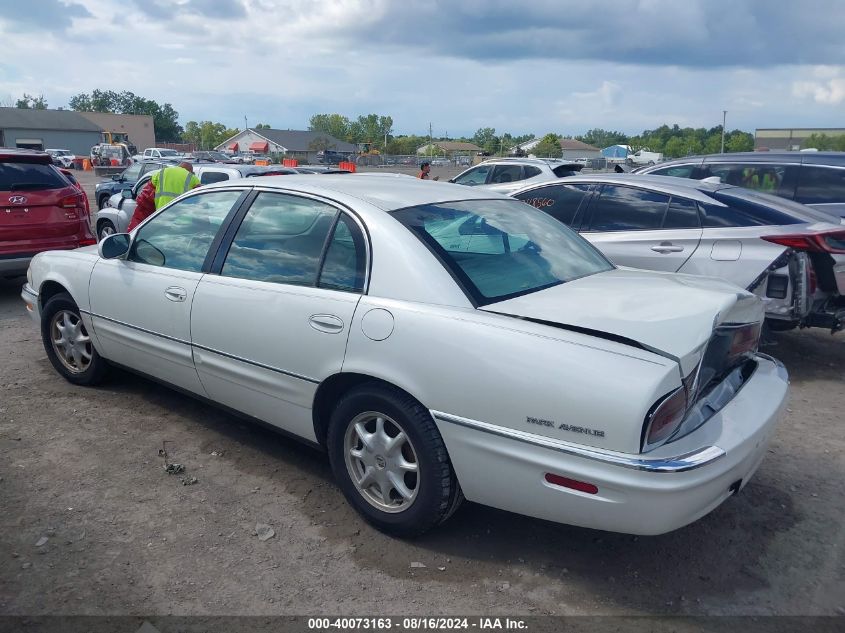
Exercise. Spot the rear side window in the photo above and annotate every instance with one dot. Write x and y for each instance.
(280, 240)
(29, 177)
(213, 176)
(529, 171)
(506, 173)
(744, 210)
(559, 201)
(682, 214)
(820, 185)
(628, 209)
(343, 268)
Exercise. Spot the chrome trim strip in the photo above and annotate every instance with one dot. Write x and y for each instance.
(29, 290)
(675, 464)
(261, 365)
(135, 327)
(202, 347)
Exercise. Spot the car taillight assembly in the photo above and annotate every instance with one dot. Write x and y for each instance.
(745, 340)
(822, 242)
(73, 202)
(664, 418)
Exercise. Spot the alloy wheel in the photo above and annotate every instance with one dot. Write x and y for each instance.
(71, 342)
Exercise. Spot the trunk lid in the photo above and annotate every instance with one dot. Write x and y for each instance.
(670, 314)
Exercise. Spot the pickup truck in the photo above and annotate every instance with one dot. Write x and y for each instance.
(157, 153)
(644, 157)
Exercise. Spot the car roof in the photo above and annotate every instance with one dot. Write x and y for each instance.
(386, 192)
(806, 158)
(666, 184)
(15, 155)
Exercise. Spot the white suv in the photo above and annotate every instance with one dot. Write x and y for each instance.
(505, 175)
(62, 157)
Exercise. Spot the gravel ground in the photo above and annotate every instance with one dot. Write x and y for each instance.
(91, 524)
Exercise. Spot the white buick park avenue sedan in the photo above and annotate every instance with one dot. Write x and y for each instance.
(439, 342)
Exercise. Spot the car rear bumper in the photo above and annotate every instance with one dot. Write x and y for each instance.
(10, 266)
(636, 494)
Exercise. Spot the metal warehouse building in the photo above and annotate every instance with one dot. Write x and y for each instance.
(789, 139)
(71, 130)
(43, 129)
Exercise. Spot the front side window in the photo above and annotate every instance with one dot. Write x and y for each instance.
(180, 236)
(132, 173)
(280, 240)
(678, 171)
(820, 185)
(628, 209)
(499, 249)
(766, 178)
(475, 176)
(559, 201)
(506, 173)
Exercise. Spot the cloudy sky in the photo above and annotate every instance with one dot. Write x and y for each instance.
(518, 66)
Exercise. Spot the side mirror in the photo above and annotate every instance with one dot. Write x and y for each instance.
(114, 246)
(126, 193)
(116, 177)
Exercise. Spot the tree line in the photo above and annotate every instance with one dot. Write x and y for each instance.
(376, 131)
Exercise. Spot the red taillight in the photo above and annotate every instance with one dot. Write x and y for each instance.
(665, 417)
(72, 202)
(823, 242)
(574, 484)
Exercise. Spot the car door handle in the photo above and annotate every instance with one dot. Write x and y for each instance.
(326, 323)
(175, 293)
(667, 247)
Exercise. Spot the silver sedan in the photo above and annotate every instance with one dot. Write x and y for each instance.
(791, 255)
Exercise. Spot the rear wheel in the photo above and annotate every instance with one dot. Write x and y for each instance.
(68, 344)
(390, 461)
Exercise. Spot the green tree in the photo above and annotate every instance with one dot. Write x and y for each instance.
(548, 147)
(600, 138)
(486, 139)
(206, 134)
(335, 125)
(165, 117)
(739, 141)
(263, 126)
(29, 102)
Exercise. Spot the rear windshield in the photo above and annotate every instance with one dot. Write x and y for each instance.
(753, 208)
(499, 249)
(29, 177)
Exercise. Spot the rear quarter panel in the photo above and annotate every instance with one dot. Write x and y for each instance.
(502, 370)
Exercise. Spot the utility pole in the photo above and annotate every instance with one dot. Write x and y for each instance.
(724, 115)
(430, 143)
(246, 127)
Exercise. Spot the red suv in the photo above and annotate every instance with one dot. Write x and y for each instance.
(41, 209)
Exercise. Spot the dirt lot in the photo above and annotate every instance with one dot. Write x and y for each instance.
(91, 524)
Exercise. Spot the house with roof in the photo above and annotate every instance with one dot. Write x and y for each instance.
(300, 144)
(571, 149)
(449, 148)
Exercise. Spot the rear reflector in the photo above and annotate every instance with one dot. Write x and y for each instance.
(566, 482)
(823, 242)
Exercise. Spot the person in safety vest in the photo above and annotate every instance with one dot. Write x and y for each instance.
(165, 185)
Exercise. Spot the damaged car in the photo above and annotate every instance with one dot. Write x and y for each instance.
(790, 255)
(439, 342)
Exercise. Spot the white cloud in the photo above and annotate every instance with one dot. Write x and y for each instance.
(830, 92)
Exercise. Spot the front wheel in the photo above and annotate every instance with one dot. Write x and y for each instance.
(68, 344)
(390, 461)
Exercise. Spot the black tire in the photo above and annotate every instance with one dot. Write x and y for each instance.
(102, 200)
(779, 325)
(437, 492)
(104, 229)
(87, 371)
